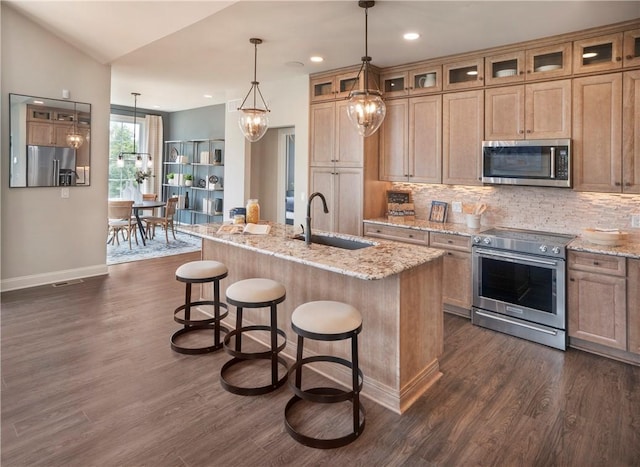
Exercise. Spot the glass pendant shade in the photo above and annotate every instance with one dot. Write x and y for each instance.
(120, 161)
(366, 111)
(74, 140)
(253, 123)
(139, 161)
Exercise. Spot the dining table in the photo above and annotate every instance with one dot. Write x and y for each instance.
(137, 207)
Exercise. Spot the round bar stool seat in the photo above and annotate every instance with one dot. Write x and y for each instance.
(255, 293)
(326, 321)
(199, 272)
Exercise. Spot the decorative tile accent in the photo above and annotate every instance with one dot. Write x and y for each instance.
(547, 209)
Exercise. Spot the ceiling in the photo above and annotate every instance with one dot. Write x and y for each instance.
(175, 52)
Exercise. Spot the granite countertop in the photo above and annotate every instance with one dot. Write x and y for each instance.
(384, 258)
(446, 227)
(631, 249)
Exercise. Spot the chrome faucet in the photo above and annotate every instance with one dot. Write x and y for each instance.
(307, 230)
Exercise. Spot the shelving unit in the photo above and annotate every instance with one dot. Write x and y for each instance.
(203, 160)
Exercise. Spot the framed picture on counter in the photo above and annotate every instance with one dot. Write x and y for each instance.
(438, 211)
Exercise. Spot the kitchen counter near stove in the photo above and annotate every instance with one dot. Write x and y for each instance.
(446, 227)
(630, 249)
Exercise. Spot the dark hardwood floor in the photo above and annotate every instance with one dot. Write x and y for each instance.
(89, 379)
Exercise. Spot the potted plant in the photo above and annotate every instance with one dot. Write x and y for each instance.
(170, 176)
(188, 179)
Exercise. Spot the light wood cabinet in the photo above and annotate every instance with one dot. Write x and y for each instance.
(400, 234)
(456, 271)
(411, 140)
(601, 53)
(464, 74)
(333, 139)
(633, 305)
(552, 61)
(532, 111)
(504, 68)
(462, 135)
(343, 189)
(39, 133)
(631, 132)
(334, 86)
(597, 130)
(631, 48)
(415, 81)
(597, 304)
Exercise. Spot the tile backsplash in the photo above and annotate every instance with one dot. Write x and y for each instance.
(547, 209)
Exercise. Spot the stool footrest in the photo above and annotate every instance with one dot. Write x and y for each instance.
(195, 350)
(252, 355)
(322, 443)
(199, 322)
(312, 395)
(250, 391)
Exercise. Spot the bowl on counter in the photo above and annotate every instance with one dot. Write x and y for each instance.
(607, 237)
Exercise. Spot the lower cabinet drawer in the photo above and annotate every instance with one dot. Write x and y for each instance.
(400, 234)
(450, 241)
(598, 263)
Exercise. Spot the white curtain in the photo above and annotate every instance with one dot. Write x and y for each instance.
(154, 147)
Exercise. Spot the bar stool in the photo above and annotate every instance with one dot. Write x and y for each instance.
(255, 293)
(326, 321)
(200, 272)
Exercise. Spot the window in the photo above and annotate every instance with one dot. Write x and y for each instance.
(121, 140)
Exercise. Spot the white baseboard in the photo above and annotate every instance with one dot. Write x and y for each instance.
(24, 282)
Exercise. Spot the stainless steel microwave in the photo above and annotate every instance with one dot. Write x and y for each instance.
(541, 162)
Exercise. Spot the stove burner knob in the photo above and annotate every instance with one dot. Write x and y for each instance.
(543, 248)
(476, 239)
(486, 241)
(555, 250)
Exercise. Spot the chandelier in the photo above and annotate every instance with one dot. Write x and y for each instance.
(366, 108)
(137, 155)
(74, 139)
(253, 120)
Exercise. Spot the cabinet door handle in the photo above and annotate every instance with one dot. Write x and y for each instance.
(521, 131)
(377, 230)
(618, 59)
(628, 184)
(596, 263)
(617, 183)
(449, 253)
(410, 235)
(629, 57)
(572, 279)
(528, 131)
(449, 241)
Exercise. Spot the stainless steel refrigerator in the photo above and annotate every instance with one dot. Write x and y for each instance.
(51, 166)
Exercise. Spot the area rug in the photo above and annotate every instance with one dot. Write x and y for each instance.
(155, 248)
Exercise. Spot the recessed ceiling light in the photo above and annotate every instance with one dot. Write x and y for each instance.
(208, 96)
(411, 36)
(316, 59)
(156, 106)
(589, 55)
(38, 102)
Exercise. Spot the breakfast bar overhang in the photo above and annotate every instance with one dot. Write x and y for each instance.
(396, 287)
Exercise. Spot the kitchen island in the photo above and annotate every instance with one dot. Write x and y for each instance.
(396, 287)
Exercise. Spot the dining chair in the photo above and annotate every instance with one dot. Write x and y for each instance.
(165, 222)
(148, 212)
(119, 221)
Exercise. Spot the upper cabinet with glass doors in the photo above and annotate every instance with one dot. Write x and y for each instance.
(464, 74)
(631, 48)
(598, 53)
(416, 81)
(337, 86)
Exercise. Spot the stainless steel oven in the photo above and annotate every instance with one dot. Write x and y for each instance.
(519, 284)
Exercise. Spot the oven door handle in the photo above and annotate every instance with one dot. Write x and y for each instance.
(513, 257)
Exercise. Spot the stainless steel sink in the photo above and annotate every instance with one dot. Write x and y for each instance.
(336, 242)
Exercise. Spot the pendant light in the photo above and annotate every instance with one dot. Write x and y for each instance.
(366, 108)
(74, 139)
(139, 159)
(253, 120)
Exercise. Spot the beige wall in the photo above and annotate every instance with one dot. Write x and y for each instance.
(45, 238)
(288, 101)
